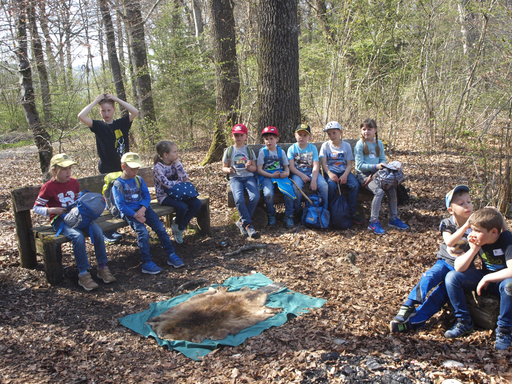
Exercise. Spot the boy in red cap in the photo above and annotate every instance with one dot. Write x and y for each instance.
(239, 162)
(273, 168)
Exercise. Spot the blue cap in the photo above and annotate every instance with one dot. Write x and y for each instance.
(449, 195)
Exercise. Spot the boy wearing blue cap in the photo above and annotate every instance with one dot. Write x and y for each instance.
(455, 231)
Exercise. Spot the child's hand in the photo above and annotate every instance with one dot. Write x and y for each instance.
(473, 242)
(232, 170)
(481, 286)
(380, 165)
(248, 164)
(184, 179)
(57, 210)
(305, 178)
(313, 185)
(140, 215)
(343, 179)
(333, 177)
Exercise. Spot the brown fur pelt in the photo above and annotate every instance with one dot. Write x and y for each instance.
(213, 315)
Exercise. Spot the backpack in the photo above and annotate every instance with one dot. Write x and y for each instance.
(316, 214)
(340, 212)
(229, 154)
(84, 211)
(390, 176)
(111, 180)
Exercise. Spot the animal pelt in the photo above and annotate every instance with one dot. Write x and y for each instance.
(213, 315)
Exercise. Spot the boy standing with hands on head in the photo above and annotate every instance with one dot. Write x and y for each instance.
(455, 231)
(273, 168)
(132, 198)
(305, 165)
(491, 240)
(239, 162)
(111, 137)
(336, 157)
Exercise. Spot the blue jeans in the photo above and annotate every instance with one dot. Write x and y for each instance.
(353, 190)
(429, 306)
(323, 189)
(249, 184)
(458, 282)
(140, 229)
(77, 238)
(185, 210)
(268, 195)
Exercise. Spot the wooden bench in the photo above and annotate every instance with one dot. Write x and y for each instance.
(42, 239)
(364, 194)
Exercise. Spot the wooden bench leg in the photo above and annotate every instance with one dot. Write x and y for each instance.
(203, 220)
(52, 256)
(26, 247)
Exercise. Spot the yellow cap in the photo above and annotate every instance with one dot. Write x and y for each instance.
(62, 160)
(131, 159)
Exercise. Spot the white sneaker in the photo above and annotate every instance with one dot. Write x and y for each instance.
(178, 235)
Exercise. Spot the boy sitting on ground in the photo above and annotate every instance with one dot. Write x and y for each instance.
(132, 198)
(273, 168)
(455, 231)
(305, 166)
(495, 249)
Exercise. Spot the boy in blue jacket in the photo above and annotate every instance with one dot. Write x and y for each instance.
(132, 198)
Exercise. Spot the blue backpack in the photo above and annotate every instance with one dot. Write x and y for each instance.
(316, 214)
(85, 210)
(340, 213)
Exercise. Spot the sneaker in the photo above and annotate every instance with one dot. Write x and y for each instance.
(251, 232)
(459, 329)
(397, 327)
(151, 268)
(358, 219)
(175, 261)
(177, 233)
(289, 222)
(272, 220)
(503, 338)
(86, 282)
(404, 313)
(241, 228)
(116, 235)
(109, 239)
(376, 228)
(105, 275)
(397, 223)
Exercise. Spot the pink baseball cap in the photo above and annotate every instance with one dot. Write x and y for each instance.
(239, 128)
(272, 130)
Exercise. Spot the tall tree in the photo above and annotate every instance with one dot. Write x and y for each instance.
(278, 78)
(112, 52)
(226, 71)
(140, 61)
(37, 48)
(41, 137)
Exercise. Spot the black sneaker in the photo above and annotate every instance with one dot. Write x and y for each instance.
(396, 327)
(459, 329)
(404, 313)
(251, 232)
(358, 219)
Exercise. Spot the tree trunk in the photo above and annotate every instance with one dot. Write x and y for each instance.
(112, 52)
(41, 137)
(226, 70)
(37, 48)
(278, 79)
(43, 21)
(139, 57)
(198, 19)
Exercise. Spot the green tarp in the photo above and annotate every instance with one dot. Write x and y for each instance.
(293, 304)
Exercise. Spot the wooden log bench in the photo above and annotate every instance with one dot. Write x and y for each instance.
(42, 240)
(484, 310)
(260, 216)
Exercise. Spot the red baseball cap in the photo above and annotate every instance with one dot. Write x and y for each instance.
(272, 130)
(239, 128)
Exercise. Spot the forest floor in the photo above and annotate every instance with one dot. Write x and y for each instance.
(64, 334)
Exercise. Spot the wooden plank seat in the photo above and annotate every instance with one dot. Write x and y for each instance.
(42, 240)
